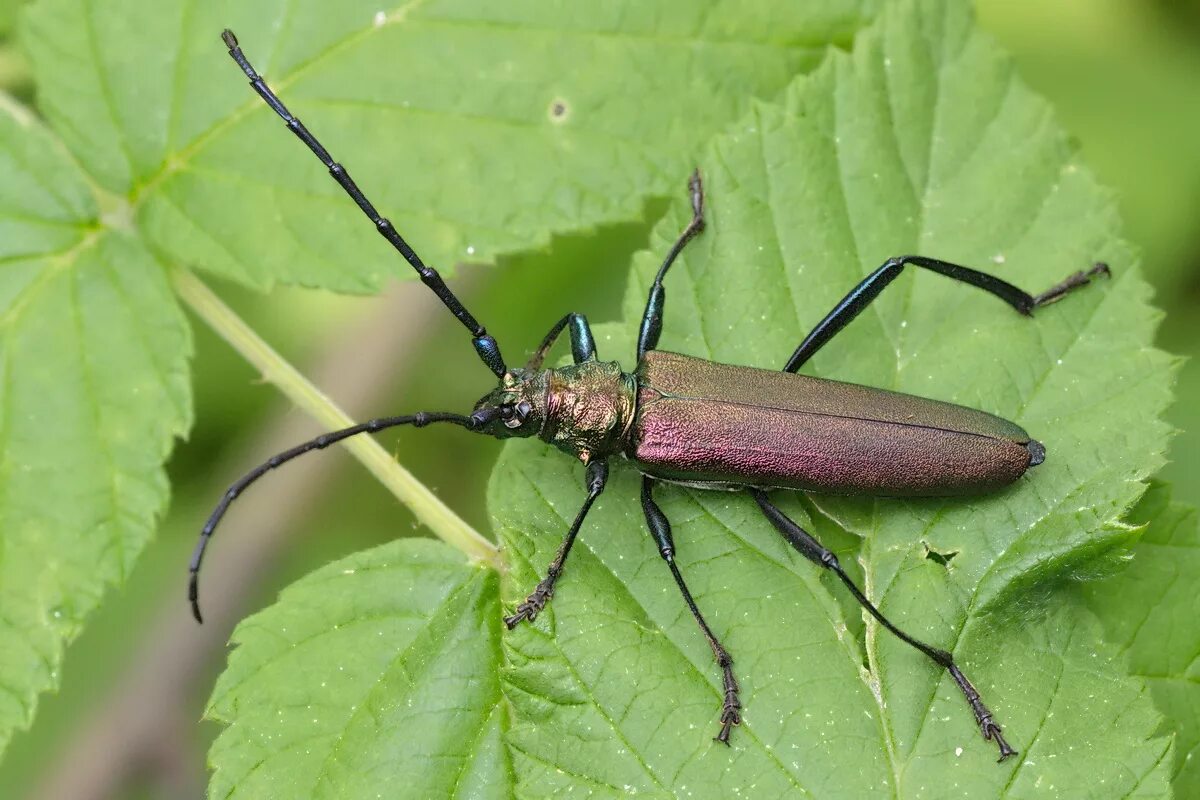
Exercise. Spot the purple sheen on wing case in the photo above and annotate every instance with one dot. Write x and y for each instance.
(702, 422)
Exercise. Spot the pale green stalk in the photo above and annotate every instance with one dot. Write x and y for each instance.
(429, 510)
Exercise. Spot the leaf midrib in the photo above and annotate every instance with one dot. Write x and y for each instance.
(178, 159)
(447, 614)
(175, 160)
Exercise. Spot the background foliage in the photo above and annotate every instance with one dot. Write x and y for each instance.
(1142, 51)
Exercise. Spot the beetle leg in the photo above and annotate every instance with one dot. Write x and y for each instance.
(583, 344)
(660, 529)
(597, 476)
(652, 318)
(814, 551)
(862, 295)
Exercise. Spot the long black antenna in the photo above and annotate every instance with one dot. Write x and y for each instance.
(485, 345)
(419, 420)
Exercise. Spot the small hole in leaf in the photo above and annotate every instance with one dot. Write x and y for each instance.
(942, 557)
(559, 110)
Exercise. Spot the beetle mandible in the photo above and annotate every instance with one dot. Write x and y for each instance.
(689, 421)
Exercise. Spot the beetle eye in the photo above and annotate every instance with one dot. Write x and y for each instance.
(511, 417)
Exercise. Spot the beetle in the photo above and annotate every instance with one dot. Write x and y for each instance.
(685, 420)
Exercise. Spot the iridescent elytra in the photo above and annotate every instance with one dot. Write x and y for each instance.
(680, 419)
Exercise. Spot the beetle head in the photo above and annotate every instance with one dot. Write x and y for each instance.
(515, 408)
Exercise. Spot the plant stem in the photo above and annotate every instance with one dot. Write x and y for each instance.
(429, 510)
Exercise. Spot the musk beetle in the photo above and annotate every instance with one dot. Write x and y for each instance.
(713, 426)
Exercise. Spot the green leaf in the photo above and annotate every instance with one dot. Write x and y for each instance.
(156, 153)
(920, 141)
(93, 359)
(1150, 610)
(376, 676)
(593, 106)
(8, 16)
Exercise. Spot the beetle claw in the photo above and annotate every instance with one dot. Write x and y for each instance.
(730, 715)
(992, 731)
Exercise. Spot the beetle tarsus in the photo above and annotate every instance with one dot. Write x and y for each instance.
(987, 723)
(533, 604)
(1069, 284)
(731, 710)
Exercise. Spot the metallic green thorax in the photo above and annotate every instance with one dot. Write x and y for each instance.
(583, 409)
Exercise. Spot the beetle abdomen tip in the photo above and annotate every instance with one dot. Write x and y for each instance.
(1037, 452)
